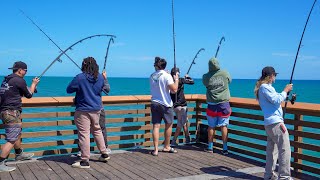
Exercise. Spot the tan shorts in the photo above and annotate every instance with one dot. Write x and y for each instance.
(12, 124)
(182, 115)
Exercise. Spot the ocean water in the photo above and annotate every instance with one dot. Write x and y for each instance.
(306, 90)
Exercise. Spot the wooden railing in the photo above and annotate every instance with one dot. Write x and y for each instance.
(48, 127)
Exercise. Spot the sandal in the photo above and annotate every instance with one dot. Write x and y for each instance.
(154, 154)
(170, 151)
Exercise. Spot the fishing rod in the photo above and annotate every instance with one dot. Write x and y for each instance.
(49, 39)
(70, 47)
(174, 45)
(293, 98)
(105, 58)
(194, 59)
(222, 39)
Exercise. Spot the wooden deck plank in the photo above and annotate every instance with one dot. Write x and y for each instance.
(73, 172)
(37, 171)
(148, 169)
(148, 160)
(5, 175)
(47, 170)
(137, 168)
(58, 170)
(26, 172)
(98, 167)
(16, 174)
(114, 172)
(125, 168)
(153, 161)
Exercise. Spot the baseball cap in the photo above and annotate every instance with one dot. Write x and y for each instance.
(19, 65)
(268, 71)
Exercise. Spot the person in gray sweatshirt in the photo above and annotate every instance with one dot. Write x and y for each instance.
(218, 95)
(278, 143)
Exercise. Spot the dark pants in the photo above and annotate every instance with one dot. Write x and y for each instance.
(102, 123)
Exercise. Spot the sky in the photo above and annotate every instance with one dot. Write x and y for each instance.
(257, 34)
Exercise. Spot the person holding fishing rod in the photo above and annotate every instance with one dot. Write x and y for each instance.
(88, 86)
(218, 95)
(180, 107)
(278, 143)
(13, 88)
(161, 84)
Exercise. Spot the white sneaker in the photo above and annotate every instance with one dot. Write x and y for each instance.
(108, 151)
(5, 168)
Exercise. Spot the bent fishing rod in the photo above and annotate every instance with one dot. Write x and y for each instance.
(193, 61)
(293, 98)
(49, 39)
(222, 39)
(105, 58)
(70, 47)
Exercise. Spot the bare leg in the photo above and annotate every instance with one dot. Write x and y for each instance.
(6, 148)
(167, 134)
(155, 136)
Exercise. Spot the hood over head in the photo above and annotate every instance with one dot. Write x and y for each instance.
(214, 64)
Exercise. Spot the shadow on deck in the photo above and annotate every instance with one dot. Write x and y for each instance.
(191, 162)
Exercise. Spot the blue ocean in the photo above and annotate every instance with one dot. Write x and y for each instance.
(307, 91)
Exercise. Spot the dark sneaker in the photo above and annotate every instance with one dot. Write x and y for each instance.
(225, 152)
(5, 168)
(104, 157)
(24, 156)
(174, 143)
(81, 164)
(188, 140)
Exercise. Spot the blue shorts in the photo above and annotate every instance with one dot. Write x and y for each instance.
(218, 121)
(159, 112)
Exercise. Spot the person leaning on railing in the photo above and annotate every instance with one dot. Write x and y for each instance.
(161, 84)
(278, 143)
(88, 86)
(13, 88)
(218, 96)
(180, 107)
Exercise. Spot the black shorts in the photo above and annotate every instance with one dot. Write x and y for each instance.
(160, 112)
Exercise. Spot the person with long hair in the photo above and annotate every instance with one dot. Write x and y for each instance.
(278, 143)
(88, 86)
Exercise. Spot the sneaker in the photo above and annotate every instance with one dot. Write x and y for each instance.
(188, 140)
(81, 164)
(104, 157)
(79, 154)
(225, 152)
(209, 150)
(174, 143)
(108, 150)
(5, 168)
(24, 156)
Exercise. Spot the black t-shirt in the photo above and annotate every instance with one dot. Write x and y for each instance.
(13, 88)
(181, 101)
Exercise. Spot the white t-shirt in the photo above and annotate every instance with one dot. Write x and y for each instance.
(160, 92)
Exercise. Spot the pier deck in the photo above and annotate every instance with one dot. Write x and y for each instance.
(191, 162)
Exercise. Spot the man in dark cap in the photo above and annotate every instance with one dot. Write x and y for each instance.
(13, 88)
(278, 143)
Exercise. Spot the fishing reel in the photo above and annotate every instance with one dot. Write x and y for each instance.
(293, 98)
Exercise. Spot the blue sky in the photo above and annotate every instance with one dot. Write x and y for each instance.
(258, 33)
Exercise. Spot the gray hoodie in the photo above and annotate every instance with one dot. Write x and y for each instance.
(217, 83)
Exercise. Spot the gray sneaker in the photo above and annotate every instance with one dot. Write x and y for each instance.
(24, 156)
(5, 168)
(108, 150)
